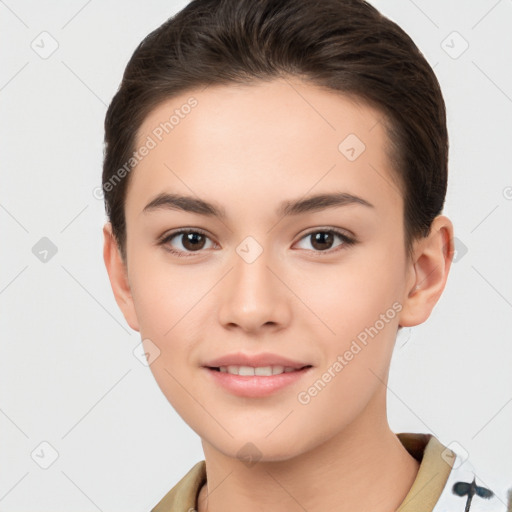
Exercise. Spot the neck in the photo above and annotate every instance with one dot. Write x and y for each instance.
(364, 467)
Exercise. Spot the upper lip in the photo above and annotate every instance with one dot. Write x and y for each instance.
(255, 360)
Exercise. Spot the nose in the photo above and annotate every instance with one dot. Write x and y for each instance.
(253, 297)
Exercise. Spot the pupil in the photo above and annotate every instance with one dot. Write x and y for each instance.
(322, 238)
(192, 238)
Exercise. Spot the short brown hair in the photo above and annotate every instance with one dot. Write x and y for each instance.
(345, 46)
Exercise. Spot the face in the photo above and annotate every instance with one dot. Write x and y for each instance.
(266, 267)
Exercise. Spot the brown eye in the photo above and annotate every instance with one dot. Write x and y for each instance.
(193, 241)
(185, 241)
(323, 240)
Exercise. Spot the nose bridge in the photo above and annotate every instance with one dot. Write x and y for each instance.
(252, 297)
(252, 280)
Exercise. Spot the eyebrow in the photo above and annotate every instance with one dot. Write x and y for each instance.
(166, 201)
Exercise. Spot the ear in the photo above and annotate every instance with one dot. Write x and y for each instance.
(428, 272)
(118, 275)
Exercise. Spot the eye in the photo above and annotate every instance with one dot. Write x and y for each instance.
(194, 240)
(322, 240)
(189, 241)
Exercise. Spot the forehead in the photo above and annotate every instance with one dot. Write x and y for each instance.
(279, 135)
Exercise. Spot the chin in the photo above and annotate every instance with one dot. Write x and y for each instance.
(251, 450)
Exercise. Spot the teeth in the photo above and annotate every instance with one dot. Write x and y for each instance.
(260, 370)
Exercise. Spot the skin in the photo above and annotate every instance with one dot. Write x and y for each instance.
(247, 148)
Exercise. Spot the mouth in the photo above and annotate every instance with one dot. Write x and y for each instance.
(255, 382)
(259, 371)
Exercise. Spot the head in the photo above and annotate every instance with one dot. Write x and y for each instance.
(260, 114)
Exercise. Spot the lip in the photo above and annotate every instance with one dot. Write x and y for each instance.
(261, 359)
(256, 385)
(253, 386)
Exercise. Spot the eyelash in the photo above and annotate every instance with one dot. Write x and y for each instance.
(347, 241)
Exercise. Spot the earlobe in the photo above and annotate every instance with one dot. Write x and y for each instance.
(118, 275)
(432, 257)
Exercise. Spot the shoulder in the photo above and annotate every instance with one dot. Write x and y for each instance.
(448, 482)
(466, 491)
(183, 496)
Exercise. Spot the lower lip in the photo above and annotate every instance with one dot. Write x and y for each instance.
(254, 386)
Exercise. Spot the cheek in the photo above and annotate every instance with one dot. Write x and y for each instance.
(160, 294)
(170, 303)
(358, 310)
(164, 303)
(350, 297)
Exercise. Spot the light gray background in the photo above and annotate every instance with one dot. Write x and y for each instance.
(67, 369)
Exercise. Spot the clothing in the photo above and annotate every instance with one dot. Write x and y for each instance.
(443, 483)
